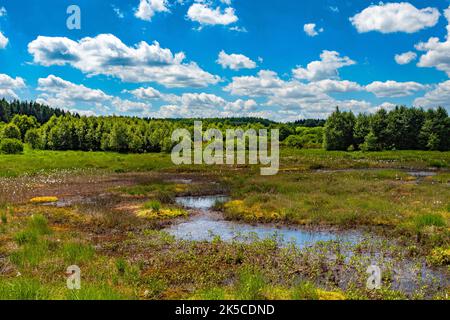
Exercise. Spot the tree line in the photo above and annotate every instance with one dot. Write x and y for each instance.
(400, 129)
(66, 131)
(46, 128)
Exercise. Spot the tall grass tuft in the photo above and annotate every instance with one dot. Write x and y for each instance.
(153, 205)
(429, 220)
(23, 289)
(76, 253)
(37, 226)
(95, 292)
(250, 285)
(305, 291)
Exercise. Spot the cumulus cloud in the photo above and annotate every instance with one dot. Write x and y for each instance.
(205, 15)
(106, 54)
(438, 97)
(395, 17)
(122, 105)
(205, 105)
(3, 41)
(437, 53)
(235, 61)
(330, 86)
(406, 57)
(326, 68)
(394, 89)
(310, 29)
(9, 86)
(148, 8)
(150, 93)
(60, 93)
(305, 99)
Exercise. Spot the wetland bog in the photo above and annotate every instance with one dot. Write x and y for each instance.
(165, 232)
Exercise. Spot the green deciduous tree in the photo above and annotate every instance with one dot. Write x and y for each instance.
(339, 130)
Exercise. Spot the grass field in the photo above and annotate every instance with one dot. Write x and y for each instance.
(114, 229)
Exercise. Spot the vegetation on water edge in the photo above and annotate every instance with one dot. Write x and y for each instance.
(141, 263)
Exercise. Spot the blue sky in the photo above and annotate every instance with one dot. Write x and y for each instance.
(282, 60)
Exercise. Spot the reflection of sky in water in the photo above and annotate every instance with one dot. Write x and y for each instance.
(408, 275)
(204, 227)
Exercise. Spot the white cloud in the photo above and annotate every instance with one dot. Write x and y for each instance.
(3, 41)
(326, 68)
(331, 86)
(150, 93)
(60, 93)
(3, 11)
(395, 89)
(306, 100)
(9, 85)
(334, 9)
(130, 106)
(118, 12)
(106, 54)
(148, 8)
(204, 105)
(395, 17)
(235, 61)
(437, 53)
(438, 97)
(310, 29)
(239, 29)
(264, 84)
(203, 14)
(405, 58)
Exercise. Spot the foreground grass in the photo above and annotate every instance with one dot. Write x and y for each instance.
(149, 264)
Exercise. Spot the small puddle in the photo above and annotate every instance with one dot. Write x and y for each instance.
(207, 225)
(201, 203)
(422, 174)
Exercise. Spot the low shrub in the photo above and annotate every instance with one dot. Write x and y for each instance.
(11, 146)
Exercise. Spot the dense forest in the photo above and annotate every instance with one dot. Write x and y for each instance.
(53, 129)
(400, 129)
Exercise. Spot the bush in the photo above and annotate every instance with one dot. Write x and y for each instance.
(294, 142)
(33, 138)
(11, 131)
(370, 143)
(11, 146)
